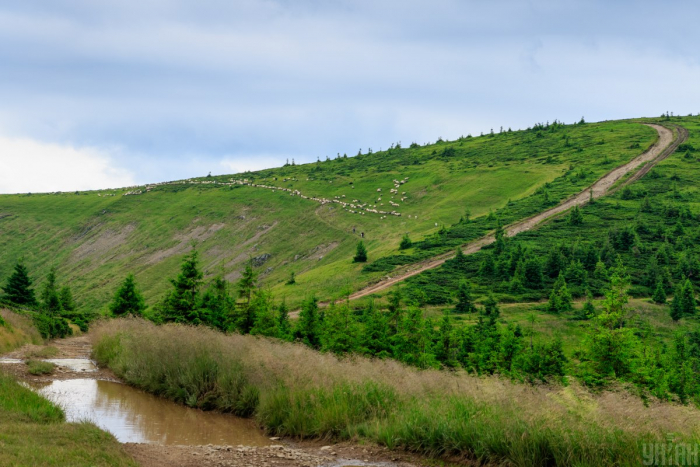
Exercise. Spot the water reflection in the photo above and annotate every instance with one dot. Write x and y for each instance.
(137, 417)
(73, 364)
(10, 360)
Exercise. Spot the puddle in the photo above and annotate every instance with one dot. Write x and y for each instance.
(10, 360)
(134, 416)
(357, 463)
(73, 364)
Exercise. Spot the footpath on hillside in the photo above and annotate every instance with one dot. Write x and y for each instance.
(664, 147)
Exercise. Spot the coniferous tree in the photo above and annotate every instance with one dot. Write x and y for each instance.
(465, 303)
(374, 340)
(575, 273)
(244, 318)
(688, 303)
(491, 309)
(587, 311)
(18, 289)
(216, 304)
(360, 253)
(65, 296)
(560, 299)
(576, 217)
(406, 243)
(127, 299)
(500, 243)
(265, 322)
(182, 304)
(395, 312)
(488, 266)
(292, 279)
(247, 283)
(609, 347)
(283, 324)
(446, 348)
(555, 262)
(659, 296)
(339, 333)
(49, 322)
(50, 300)
(677, 303)
(308, 327)
(460, 258)
(532, 274)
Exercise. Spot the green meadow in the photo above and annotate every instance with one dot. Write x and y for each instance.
(96, 238)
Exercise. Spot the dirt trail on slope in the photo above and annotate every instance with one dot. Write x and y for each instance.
(663, 147)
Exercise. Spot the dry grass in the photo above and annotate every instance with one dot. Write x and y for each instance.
(306, 393)
(19, 330)
(42, 352)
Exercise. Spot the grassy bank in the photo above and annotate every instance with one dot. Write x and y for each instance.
(33, 433)
(16, 330)
(294, 391)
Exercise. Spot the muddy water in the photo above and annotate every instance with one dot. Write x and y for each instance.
(134, 416)
(73, 364)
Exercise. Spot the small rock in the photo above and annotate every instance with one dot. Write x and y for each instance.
(325, 448)
(274, 438)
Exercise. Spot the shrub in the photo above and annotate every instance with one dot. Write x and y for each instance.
(51, 327)
(40, 367)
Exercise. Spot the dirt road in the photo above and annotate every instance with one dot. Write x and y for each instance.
(664, 146)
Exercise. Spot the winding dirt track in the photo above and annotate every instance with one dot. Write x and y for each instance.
(664, 147)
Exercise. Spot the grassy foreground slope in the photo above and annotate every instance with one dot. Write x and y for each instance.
(33, 432)
(96, 238)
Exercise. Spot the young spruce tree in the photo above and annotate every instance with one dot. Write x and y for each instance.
(18, 289)
(127, 299)
(360, 253)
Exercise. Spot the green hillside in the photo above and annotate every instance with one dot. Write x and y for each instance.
(96, 238)
(651, 226)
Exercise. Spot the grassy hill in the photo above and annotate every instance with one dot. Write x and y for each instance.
(652, 226)
(95, 238)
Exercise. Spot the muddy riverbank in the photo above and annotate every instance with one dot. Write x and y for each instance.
(157, 432)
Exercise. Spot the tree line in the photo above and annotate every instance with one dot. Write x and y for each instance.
(612, 350)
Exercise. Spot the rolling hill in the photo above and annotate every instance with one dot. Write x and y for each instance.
(307, 219)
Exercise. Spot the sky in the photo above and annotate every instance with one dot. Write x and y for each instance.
(110, 94)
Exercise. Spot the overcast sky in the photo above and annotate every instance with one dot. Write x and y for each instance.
(103, 94)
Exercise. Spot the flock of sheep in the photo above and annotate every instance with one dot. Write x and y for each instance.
(354, 207)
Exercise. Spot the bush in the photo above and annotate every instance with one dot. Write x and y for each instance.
(40, 367)
(51, 327)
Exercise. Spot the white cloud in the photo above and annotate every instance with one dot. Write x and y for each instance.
(31, 166)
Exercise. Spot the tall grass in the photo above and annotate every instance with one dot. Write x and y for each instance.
(16, 330)
(294, 391)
